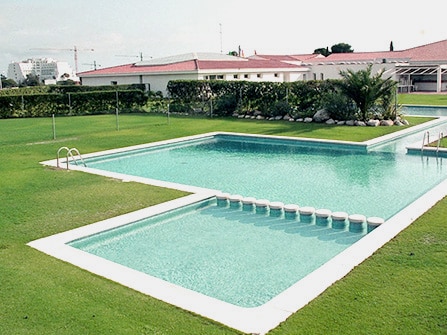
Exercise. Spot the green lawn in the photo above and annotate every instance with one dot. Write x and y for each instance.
(401, 289)
(423, 99)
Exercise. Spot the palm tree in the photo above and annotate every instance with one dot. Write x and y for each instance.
(367, 91)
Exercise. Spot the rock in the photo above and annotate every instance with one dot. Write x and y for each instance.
(321, 116)
(360, 123)
(405, 122)
(341, 123)
(256, 113)
(330, 121)
(286, 117)
(308, 120)
(373, 123)
(300, 119)
(247, 116)
(291, 120)
(398, 123)
(386, 123)
(260, 117)
(235, 114)
(279, 117)
(350, 123)
(241, 116)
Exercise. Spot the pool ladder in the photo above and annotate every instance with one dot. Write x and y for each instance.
(426, 141)
(70, 152)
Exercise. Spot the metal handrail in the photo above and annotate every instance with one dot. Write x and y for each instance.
(70, 155)
(440, 137)
(58, 154)
(426, 135)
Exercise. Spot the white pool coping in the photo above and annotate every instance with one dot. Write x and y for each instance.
(257, 320)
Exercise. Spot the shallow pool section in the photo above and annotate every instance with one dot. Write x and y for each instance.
(230, 254)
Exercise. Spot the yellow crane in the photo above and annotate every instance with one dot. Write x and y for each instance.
(74, 49)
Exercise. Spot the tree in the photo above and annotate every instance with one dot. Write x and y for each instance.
(367, 91)
(31, 80)
(322, 51)
(341, 48)
(7, 82)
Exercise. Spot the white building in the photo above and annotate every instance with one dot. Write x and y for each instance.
(48, 70)
(422, 68)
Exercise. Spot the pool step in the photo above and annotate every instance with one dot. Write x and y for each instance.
(355, 223)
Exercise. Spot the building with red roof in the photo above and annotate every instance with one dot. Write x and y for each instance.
(422, 68)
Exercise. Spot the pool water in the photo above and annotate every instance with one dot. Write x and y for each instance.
(337, 177)
(236, 256)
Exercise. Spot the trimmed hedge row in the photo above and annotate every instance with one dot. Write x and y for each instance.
(66, 102)
(302, 98)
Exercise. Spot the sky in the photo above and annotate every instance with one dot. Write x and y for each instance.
(119, 31)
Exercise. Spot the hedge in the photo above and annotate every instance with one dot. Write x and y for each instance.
(301, 98)
(70, 101)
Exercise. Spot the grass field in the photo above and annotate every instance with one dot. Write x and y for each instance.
(423, 99)
(401, 289)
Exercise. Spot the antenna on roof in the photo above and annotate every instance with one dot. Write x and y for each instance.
(140, 56)
(220, 27)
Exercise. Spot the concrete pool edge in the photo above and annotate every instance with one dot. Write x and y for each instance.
(250, 320)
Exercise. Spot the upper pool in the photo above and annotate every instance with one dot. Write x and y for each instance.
(336, 176)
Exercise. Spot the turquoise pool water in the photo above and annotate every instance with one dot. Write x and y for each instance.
(337, 177)
(239, 257)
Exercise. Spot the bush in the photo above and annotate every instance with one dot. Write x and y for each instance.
(180, 108)
(280, 108)
(225, 105)
(340, 107)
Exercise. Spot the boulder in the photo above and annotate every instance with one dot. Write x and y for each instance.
(350, 123)
(386, 123)
(321, 116)
(360, 123)
(330, 121)
(373, 123)
(308, 120)
(341, 123)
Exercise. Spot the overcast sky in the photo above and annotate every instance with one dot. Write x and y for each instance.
(159, 28)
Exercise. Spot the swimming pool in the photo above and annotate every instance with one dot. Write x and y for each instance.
(231, 254)
(338, 176)
(260, 314)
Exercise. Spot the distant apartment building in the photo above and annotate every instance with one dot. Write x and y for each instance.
(48, 70)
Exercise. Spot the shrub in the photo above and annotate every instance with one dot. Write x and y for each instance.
(180, 108)
(280, 108)
(225, 105)
(339, 106)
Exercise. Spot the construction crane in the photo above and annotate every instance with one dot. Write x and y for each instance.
(74, 49)
(94, 65)
(132, 56)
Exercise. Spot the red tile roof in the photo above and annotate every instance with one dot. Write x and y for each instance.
(436, 51)
(246, 64)
(186, 66)
(186, 63)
